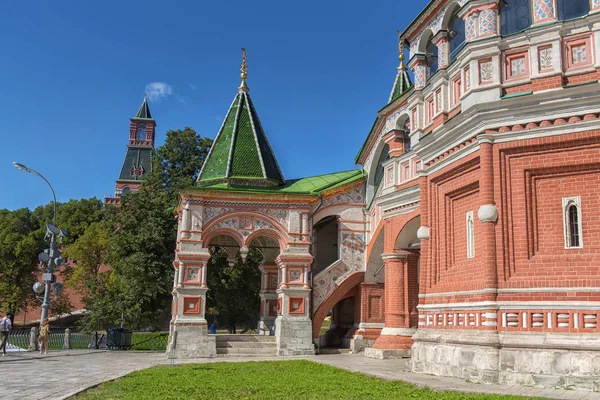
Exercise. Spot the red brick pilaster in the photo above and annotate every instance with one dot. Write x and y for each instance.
(488, 213)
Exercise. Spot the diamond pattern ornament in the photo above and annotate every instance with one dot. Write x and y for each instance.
(470, 30)
(419, 72)
(488, 22)
(543, 10)
(596, 4)
(443, 53)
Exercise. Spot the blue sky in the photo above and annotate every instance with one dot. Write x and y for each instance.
(74, 72)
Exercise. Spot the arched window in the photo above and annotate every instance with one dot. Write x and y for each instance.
(569, 9)
(516, 15)
(140, 134)
(383, 157)
(470, 235)
(456, 30)
(125, 190)
(431, 57)
(572, 222)
(573, 226)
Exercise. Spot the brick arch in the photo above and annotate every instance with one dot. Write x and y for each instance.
(393, 226)
(338, 294)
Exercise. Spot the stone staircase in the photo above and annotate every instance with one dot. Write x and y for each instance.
(246, 346)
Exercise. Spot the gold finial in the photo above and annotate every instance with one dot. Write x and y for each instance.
(244, 69)
(400, 48)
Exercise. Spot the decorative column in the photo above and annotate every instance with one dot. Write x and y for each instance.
(188, 333)
(398, 141)
(395, 339)
(420, 70)
(441, 40)
(543, 11)
(481, 20)
(293, 326)
(488, 213)
(268, 299)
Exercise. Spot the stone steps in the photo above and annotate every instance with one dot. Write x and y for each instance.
(245, 345)
(333, 351)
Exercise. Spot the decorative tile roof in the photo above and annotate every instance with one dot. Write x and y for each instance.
(402, 83)
(241, 154)
(144, 111)
(137, 164)
(310, 186)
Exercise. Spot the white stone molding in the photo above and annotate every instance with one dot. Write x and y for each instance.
(398, 331)
(423, 233)
(488, 213)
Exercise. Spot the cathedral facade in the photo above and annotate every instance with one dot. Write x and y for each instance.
(468, 241)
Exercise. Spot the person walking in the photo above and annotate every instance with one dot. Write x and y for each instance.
(44, 336)
(5, 327)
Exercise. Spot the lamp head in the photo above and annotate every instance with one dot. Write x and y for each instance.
(20, 167)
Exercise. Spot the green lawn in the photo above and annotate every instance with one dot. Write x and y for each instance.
(296, 379)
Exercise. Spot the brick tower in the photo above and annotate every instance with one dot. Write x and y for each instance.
(138, 159)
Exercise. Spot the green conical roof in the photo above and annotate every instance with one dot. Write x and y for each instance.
(144, 111)
(241, 154)
(402, 83)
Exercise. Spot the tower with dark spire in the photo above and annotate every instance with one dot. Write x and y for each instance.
(241, 154)
(402, 83)
(138, 158)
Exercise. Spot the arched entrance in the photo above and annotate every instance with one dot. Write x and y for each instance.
(401, 292)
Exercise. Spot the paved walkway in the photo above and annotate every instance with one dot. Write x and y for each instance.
(61, 374)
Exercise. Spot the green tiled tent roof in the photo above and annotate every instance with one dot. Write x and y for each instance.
(241, 154)
(402, 83)
(144, 111)
(312, 185)
(137, 164)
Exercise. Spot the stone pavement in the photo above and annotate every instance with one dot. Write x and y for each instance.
(61, 374)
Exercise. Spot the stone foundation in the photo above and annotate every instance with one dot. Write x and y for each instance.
(191, 342)
(358, 344)
(532, 359)
(294, 336)
(385, 354)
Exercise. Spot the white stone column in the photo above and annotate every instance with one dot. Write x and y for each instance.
(293, 326)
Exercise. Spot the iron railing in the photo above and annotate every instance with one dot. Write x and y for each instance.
(19, 339)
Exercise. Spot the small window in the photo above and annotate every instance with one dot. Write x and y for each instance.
(569, 9)
(572, 222)
(470, 235)
(516, 15)
(141, 132)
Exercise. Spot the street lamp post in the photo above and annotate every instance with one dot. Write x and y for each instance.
(51, 256)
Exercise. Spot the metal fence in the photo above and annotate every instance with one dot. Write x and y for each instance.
(21, 340)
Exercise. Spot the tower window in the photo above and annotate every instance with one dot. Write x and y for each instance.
(569, 9)
(470, 235)
(516, 15)
(141, 132)
(383, 157)
(572, 222)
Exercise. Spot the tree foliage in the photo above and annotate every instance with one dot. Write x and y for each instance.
(233, 295)
(21, 240)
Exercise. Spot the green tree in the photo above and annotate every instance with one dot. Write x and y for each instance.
(234, 290)
(19, 247)
(140, 252)
(177, 163)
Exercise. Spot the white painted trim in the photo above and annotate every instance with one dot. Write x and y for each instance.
(398, 331)
(470, 221)
(371, 325)
(513, 305)
(594, 289)
(567, 202)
